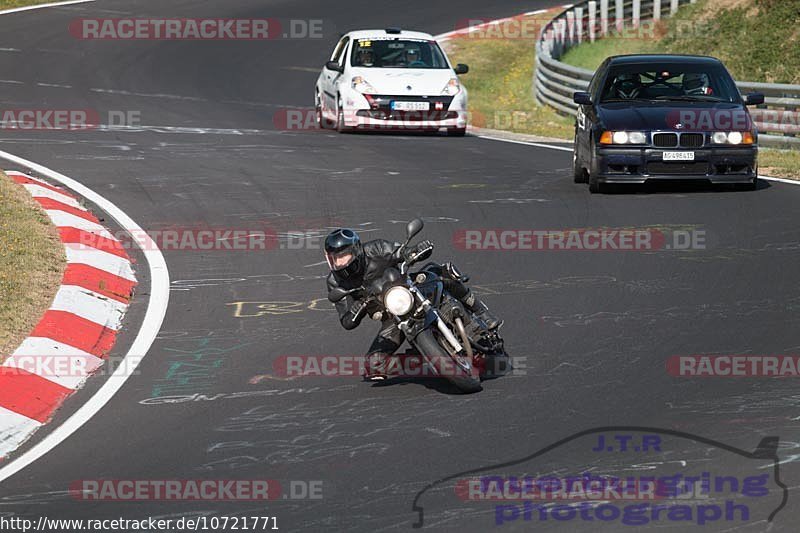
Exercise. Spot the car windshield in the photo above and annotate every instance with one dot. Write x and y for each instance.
(397, 53)
(678, 82)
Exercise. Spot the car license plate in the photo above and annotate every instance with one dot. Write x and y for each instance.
(678, 156)
(411, 106)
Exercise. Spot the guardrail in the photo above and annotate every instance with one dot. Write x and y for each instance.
(778, 120)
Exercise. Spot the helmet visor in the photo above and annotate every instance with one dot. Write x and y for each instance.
(341, 259)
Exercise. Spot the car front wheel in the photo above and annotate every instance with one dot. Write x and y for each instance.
(322, 122)
(578, 175)
(594, 185)
(340, 125)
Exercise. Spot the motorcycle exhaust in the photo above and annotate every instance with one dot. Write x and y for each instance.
(463, 333)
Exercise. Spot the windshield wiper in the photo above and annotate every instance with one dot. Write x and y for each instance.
(625, 100)
(690, 98)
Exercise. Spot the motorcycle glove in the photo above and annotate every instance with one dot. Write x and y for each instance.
(419, 251)
(353, 317)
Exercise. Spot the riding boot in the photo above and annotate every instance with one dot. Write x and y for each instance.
(481, 311)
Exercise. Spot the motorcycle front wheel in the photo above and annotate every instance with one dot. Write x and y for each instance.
(445, 365)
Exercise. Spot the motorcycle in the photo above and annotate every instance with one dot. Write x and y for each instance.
(456, 343)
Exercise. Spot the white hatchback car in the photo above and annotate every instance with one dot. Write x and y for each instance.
(391, 80)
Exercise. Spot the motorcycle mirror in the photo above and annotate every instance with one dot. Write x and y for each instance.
(414, 227)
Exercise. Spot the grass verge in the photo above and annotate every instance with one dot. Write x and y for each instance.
(499, 84)
(32, 264)
(8, 4)
(758, 40)
(779, 163)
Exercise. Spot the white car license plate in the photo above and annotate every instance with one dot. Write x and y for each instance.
(411, 106)
(678, 156)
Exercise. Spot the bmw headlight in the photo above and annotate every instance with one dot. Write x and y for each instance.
(452, 88)
(732, 137)
(623, 137)
(398, 301)
(361, 85)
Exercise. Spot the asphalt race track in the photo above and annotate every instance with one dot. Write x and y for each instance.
(593, 330)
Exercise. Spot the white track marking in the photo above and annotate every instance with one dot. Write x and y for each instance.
(56, 85)
(148, 95)
(782, 180)
(62, 219)
(14, 430)
(89, 305)
(86, 255)
(37, 191)
(538, 145)
(54, 356)
(153, 318)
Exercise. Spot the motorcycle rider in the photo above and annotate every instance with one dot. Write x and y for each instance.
(355, 264)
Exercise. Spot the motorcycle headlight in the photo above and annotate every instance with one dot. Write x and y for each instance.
(398, 301)
(361, 85)
(452, 88)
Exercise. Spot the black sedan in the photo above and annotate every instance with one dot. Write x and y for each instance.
(664, 117)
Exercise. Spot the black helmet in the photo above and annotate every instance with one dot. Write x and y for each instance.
(344, 253)
(628, 85)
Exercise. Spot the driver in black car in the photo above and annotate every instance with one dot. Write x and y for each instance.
(354, 264)
(627, 86)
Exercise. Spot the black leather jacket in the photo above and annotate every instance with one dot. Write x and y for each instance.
(380, 255)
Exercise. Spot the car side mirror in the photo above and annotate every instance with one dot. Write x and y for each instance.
(334, 66)
(413, 227)
(754, 99)
(461, 68)
(582, 98)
